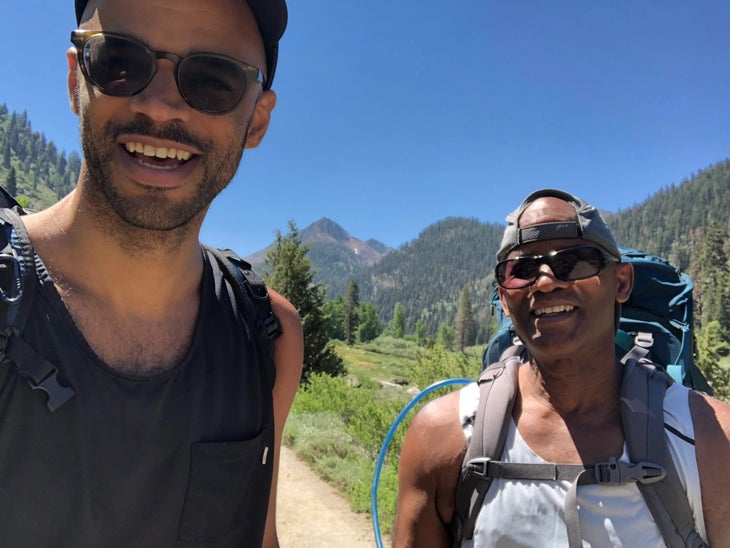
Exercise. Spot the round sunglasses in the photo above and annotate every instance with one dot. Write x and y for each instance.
(122, 66)
(573, 263)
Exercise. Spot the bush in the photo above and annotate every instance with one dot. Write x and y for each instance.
(386, 344)
(436, 363)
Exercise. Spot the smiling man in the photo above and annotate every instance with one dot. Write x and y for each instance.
(562, 282)
(172, 437)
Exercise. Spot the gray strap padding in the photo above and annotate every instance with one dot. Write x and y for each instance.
(488, 438)
(642, 415)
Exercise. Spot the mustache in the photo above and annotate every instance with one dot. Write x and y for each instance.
(173, 131)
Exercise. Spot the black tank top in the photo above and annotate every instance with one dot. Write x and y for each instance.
(181, 459)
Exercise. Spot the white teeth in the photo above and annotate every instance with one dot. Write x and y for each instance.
(160, 152)
(554, 309)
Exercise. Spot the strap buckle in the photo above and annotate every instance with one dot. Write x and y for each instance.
(615, 472)
(644, 339)
(11, 295)
(479, 467)
(56, 392)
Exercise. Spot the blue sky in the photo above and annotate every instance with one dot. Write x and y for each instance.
(394, 114)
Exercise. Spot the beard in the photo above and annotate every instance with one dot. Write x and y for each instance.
(154, 210)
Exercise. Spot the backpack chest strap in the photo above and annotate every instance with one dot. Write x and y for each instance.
(612, 472)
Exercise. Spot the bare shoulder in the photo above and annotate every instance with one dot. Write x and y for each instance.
(430, 464)
(289, 346)
(285, 311)
(711, 420)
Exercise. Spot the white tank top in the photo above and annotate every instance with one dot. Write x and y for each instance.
(530, 513)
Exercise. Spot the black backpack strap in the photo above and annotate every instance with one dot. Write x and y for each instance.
(17, 272)
(253, 298)
(497, 390)
(642, 413)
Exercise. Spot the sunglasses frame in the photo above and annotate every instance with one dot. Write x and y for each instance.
(80, 37)
(605, 260)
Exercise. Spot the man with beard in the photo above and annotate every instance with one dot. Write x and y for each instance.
(172, 437)
(562, 282)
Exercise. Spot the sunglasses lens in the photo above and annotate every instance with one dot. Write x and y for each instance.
(118, 66)
(212, 83)
(517, 273)
(577, 263)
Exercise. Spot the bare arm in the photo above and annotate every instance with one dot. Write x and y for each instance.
(288, 357)
(711, 419)
(430, 463)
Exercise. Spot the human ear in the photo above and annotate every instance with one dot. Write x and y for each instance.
(503, 300)
(624, 281)
(261, 118)
(73, 81)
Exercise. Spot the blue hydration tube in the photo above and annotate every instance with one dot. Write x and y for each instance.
(389, 436)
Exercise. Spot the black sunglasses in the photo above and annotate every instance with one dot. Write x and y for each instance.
(573, 263)
(122, 66)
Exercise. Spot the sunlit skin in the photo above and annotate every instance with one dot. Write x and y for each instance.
(567, 405)
(123, 247)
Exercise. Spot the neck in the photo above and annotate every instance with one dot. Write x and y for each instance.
(573, 387)
(111, 264)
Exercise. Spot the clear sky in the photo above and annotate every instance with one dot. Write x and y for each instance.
(394, 114)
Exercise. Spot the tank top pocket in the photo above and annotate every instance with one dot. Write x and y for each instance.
(228, 490)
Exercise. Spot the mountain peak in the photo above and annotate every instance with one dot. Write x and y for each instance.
(324, 228)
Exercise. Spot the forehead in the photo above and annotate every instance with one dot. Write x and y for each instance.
(181, 26)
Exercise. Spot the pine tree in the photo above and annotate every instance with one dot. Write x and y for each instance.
(290, 273)
(333, 310)
(712, 345)
(712, 299)
(349, 312)
(397, 326)
(464, 329)
(6, 155)
(369, 325)
(445, 336)
(420, 332)
(11, 182)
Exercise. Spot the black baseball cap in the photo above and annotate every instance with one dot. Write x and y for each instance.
(588, 225)
(271, 18)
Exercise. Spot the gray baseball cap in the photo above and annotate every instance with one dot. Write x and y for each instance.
(588, 225)
(271, 18)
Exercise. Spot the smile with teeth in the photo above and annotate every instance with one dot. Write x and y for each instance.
(158, 152)
(553, 309)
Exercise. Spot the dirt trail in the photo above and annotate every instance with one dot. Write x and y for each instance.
(310, 513)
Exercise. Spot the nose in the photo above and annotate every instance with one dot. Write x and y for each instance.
(161, 100)
(546, 280)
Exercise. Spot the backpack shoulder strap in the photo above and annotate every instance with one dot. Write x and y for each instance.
(497, 390)
(17, 289)
(642, 413)
(254, 300)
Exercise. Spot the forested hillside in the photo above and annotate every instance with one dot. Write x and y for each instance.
(427, 275)
(671, 222)
(31, 167)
